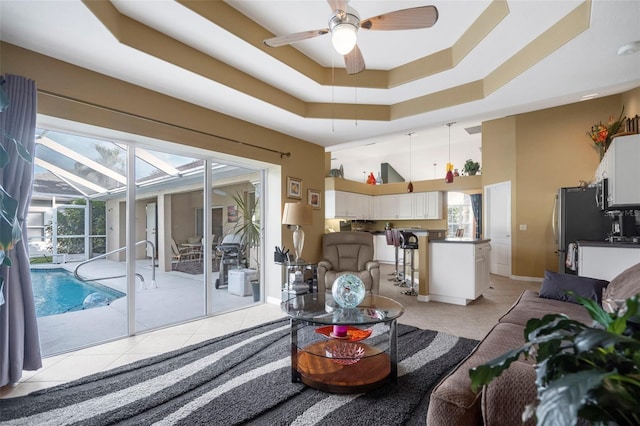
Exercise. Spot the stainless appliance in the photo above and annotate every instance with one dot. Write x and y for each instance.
(577, 217)
(602, 194)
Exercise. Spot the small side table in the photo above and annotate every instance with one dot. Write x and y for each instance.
(298, 278)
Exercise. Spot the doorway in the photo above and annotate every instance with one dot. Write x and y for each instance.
(498, 226)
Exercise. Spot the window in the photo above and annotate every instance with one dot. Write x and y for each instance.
(459, 214)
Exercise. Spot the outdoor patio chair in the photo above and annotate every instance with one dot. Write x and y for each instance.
(180, 254)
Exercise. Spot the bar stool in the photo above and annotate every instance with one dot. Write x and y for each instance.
(409, 242)
(393, 238)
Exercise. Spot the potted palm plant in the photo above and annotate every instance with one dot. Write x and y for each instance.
(248, 228)
(583, 372)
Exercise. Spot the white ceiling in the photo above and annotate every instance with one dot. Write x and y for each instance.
(587, 64)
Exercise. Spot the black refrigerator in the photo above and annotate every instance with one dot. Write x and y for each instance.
(578, 217)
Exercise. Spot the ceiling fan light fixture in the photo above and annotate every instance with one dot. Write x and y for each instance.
(343, 38)
(344, 28)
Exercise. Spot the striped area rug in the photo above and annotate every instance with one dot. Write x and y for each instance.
(241, 378)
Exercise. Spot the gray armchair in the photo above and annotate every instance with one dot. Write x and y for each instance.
(348, 252)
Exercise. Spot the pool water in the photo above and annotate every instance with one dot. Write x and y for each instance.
(56, 291)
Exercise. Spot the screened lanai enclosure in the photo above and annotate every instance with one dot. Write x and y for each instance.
(126, 236)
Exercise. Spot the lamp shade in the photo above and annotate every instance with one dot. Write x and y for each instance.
(297, 214)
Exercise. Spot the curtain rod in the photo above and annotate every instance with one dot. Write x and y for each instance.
(153, 120)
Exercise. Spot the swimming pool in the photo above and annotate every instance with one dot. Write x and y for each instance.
(56, 291)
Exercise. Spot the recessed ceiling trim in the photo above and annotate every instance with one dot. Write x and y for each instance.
(145, 39)
(148, 40)
(563, 31)
(450, 57)
(225, 16)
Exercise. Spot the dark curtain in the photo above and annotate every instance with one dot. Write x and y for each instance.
(19, 342)
(476, 206)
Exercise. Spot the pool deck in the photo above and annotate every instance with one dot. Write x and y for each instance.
(178, 297)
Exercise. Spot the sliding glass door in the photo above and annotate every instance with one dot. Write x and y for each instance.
(134, 220)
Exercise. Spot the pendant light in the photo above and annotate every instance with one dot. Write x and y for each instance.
(449, 176)
(410, 186)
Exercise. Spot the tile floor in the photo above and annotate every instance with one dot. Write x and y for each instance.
(472, 321)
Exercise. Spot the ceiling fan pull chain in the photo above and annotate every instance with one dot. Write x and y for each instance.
(333, 95)
(355, 88)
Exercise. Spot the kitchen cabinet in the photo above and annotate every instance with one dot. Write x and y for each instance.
(427, 205)
(395, 206)
(623, 171)
(458, 270)
(606, 261)
(384, 252)
(620, 166)
(341, 204)
(350, 205)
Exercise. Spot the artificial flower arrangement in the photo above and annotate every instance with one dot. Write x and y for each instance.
(601, 134)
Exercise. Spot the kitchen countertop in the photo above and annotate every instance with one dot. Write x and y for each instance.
(462, 240)
(413, 230)
(619, 244)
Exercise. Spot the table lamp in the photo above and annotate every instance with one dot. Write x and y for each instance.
(297, 214)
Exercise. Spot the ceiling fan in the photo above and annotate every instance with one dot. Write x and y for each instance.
(345, 22)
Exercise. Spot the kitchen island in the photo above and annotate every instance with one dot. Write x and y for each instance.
(458, 269)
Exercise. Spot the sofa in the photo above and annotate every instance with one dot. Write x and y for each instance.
(503, 401)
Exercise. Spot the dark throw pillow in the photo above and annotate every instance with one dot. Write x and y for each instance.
(555, 286)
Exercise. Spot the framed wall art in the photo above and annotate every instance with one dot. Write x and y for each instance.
(313, 198)
(294, 188)
(232, 214)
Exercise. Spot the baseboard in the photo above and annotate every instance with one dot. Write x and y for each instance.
(273, 300)
(451, 300)
(422, 298)
(519, 278)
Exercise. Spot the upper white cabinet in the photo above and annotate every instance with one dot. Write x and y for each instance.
(348, 205)
(427, 205)
(620, 166)
(395, 206)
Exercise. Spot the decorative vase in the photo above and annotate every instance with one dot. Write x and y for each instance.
(348, 291)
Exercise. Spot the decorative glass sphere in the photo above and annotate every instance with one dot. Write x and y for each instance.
(348, 291)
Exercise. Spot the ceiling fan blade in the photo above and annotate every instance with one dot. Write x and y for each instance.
(405, 19)
(354, 61)
(294, 38)
(337, 5)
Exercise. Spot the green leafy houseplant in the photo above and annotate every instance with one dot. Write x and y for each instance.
(471, 167)
(591, 373)
(248, 228)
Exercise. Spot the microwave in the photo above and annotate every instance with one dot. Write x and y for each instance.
(602, 194)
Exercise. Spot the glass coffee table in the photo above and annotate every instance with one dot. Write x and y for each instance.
(325, 358)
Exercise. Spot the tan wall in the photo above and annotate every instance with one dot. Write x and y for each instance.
(197, 126)
(540, 152)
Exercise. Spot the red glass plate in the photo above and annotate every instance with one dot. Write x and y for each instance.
(354, 334)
